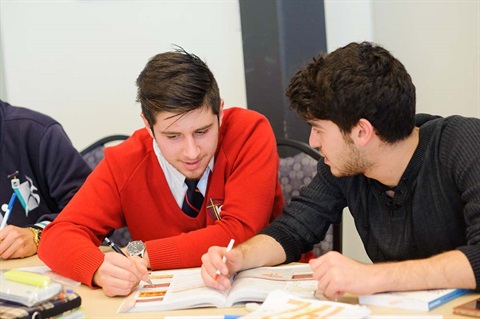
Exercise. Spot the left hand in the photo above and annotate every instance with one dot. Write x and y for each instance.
(337, 275)
(16, 242)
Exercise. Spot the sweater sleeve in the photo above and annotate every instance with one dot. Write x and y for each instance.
(305, 220)
(461, 160)
(63, 167)
(69, 244)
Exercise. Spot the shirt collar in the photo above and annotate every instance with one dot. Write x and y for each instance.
(174, 176)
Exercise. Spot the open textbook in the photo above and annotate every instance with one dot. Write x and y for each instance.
(184, 289)
(282, 304)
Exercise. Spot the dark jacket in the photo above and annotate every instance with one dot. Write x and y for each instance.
(49, 168)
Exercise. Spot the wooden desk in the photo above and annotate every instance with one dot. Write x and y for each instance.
(98, 306)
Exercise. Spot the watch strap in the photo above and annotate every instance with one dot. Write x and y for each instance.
(37, 233)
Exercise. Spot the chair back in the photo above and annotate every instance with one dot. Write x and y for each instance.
(93, 154)
(298, 166)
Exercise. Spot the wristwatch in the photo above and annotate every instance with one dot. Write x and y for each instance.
(136, 248)
(37, 233)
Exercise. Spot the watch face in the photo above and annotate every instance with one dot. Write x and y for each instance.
(135, 248)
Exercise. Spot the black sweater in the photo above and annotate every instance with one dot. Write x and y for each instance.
(436, 206)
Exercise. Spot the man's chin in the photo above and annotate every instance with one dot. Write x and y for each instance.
(197, 174)
(338, 173)
(335, 172)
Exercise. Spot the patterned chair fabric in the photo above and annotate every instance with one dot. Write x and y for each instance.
(298, 166)
(93, 154)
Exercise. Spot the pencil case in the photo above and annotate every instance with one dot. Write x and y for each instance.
(27, 294)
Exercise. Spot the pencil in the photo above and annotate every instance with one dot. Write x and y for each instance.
(224, 259)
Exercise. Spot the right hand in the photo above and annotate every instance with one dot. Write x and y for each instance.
(119, 275)
(212, 261)
(16, 242)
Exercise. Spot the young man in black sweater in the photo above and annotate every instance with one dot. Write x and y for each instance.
(411, 182)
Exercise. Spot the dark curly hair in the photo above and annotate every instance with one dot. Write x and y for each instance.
(176, 82)
(360, 80)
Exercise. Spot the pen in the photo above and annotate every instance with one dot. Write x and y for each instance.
(8, 210)
(118, 250)
(224, 259)
(114, 246)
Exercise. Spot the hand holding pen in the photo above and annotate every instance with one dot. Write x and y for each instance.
(120, 251)
(224, 258)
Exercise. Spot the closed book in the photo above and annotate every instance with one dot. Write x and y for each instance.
(421, 300)
(56, 306)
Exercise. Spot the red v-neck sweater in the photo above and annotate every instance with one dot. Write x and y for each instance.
(128, 188)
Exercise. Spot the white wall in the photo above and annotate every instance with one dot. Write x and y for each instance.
(349, 21)
(78, 60)
(437, 41)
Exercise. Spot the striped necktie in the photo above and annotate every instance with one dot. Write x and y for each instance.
(193, 198)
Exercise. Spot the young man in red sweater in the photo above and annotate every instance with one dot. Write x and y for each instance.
(141, 183)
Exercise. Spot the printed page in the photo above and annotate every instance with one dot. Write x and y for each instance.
(281, 273)
(177, 289)
(281, 304)
(255, 284)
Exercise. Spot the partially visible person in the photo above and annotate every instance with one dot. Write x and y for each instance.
(40, 171)
(411, 182)
(229, 155)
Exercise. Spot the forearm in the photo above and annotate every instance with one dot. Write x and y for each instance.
(68, 251)
(261, 250)
(446, 270)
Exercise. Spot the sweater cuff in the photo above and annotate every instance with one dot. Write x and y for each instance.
(289, 244)
(42, 224)
(86, 266)
(163, 254)
(473, 256)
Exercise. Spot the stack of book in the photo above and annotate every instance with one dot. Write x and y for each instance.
(29, 295)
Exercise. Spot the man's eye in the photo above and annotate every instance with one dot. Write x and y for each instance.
(201, 132)
(172, 137)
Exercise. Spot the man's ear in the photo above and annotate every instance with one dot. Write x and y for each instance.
(147, 125)
(363, 132)
(220, 112)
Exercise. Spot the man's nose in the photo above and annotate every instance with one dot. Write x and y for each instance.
(313, 140)
(191, 148)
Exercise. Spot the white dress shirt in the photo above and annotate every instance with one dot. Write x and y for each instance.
(176, 180)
